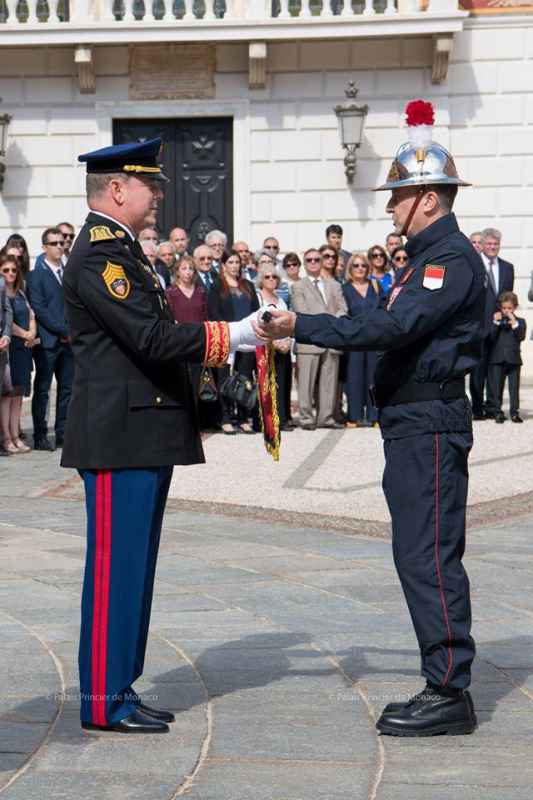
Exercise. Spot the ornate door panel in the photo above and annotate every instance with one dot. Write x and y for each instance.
(198, 158)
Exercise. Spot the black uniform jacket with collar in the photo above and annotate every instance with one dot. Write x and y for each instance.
(430, 331)
(132, 402)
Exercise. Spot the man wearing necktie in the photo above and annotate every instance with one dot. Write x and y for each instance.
(53, 357)
(500, 278)
(203, 262)
(318, 367)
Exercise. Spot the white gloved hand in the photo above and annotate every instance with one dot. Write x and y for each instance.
(241, 334)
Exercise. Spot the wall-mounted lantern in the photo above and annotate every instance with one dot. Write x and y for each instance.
(351, 120)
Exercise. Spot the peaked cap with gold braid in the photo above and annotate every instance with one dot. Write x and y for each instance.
(133, 158)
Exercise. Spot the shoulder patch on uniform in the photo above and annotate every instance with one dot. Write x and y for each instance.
(116, 281)
(433, 277)
(101, 233)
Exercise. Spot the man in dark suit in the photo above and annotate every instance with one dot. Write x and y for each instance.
(203, 262)
(132, 417)
(500, 278)
(54, 355)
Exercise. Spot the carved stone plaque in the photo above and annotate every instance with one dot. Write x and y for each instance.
(172, 71)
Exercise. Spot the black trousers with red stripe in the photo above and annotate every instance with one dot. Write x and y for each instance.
(124, 517)
(426, 484)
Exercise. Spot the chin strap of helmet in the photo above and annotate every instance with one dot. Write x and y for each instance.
(416, 203)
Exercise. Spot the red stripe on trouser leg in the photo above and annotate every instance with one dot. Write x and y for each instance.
(97, 600)
(106, 569)
(437, 559)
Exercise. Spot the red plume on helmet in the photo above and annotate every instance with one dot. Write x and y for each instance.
(419, 112)
(420, 118)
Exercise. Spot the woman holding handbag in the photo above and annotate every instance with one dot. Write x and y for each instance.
(232, 300)
(187, 299)
(23, 334)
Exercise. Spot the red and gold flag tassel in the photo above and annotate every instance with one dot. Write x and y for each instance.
(268, 398)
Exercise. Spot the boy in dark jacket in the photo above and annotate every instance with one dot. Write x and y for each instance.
(505, 360)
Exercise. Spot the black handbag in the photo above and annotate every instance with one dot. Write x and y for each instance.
(240, 389)
(207, 390)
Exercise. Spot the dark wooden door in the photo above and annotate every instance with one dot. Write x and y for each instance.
(198, 158)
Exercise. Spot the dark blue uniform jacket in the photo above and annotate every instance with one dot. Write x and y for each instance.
(427, 335)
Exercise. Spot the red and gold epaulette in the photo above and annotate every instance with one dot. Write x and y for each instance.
(217, 344)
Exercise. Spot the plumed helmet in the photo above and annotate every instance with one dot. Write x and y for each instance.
(421, 161)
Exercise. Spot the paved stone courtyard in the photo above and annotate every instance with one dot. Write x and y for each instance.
(277, 638)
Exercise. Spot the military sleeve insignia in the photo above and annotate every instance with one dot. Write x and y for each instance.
(100, 233)
(433, 277)
(116, 281)
(217, 344)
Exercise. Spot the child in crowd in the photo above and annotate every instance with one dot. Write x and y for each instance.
(505, 360)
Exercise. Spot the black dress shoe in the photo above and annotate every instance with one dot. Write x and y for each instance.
(287, 428)
(309, 427)
(156, 713)
(43, 443)
(428, 714)
(516, 418)
(135, 723)
(479, 415)
(499, 418)
(334, 425)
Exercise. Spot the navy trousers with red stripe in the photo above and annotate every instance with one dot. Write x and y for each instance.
(124, 518)
(426, 484)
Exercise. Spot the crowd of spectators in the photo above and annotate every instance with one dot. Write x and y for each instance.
(216, 280)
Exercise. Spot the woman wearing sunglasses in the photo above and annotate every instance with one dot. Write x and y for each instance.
(378, 260)
(400, 260)
(23, 335)
(330, 258)
(362, 294)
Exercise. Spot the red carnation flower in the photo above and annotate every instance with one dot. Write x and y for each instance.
(419, 112)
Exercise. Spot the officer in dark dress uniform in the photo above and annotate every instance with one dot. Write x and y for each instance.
(430, 329)
(132, 417)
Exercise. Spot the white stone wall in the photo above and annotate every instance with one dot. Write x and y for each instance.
(484, 114)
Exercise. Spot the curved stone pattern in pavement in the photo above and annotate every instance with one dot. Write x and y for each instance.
(277, 646)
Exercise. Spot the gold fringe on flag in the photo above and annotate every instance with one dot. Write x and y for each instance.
(268, 399)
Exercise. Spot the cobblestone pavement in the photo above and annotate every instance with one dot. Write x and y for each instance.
(277, 642)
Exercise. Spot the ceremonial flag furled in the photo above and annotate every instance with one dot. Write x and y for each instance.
(268, 398)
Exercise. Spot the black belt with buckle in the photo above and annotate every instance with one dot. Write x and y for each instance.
(418, 392)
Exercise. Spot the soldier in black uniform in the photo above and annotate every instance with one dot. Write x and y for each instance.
(430, 330)
(132, 417)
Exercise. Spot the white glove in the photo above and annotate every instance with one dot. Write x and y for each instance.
(241, 334)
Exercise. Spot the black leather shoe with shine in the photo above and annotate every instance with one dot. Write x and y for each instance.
(157, 713)
(135, 723)
(429, 714)
(516, 418)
